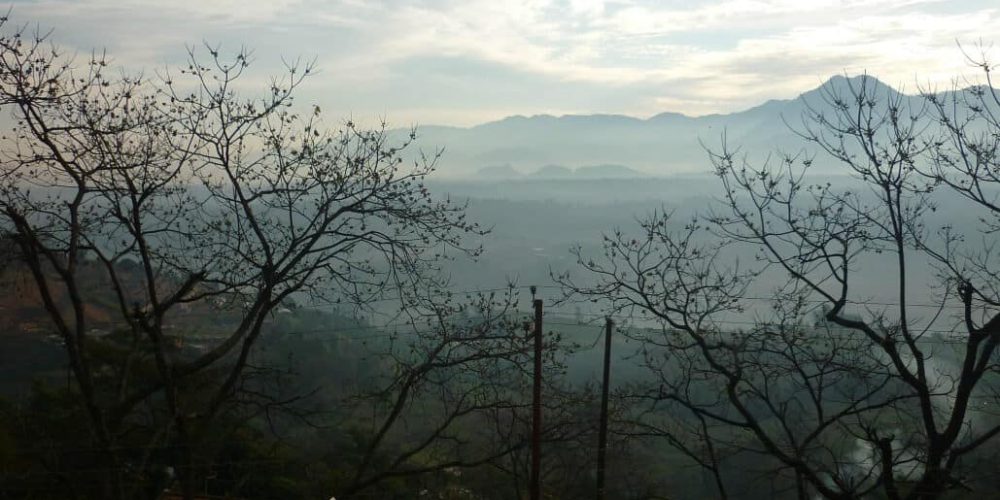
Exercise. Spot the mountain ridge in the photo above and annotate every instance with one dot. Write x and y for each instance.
(665, 143)
(836, 81)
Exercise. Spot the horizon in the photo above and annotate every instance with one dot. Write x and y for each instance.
(465, 63)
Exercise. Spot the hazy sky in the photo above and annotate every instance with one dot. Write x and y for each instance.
(463, 62)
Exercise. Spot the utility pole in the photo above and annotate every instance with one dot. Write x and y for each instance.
(602, 435)
(536, 405)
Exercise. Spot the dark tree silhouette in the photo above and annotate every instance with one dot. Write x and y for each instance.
(452, 370)
(841, 395)
(194, 203)
(456, 396)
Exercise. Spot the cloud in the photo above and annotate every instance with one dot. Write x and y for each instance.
(739, 52)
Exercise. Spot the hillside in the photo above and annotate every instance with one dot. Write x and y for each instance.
(22, 310)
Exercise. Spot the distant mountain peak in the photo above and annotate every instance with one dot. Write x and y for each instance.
(498, 172)
(607, 171)
(668, 116)
(553, 171)
(845, 84)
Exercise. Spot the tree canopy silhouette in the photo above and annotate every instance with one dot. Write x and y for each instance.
(193, 201)
(788, 371)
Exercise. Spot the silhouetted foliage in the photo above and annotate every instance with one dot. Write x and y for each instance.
(845, 396)
(195, 213)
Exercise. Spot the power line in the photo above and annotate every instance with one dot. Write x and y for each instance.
(834, 334)
(453, 290)
(472, 291)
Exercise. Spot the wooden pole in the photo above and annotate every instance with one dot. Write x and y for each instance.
(536, 408)
(602, 436)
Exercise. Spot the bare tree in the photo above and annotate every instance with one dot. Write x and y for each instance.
(844, 394)
(456, 397)
(450, 372)
(193, 202)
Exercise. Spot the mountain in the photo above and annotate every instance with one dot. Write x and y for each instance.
(664, 144)
(504, 171)
(606, 172)
(553, 172)
(609, 171)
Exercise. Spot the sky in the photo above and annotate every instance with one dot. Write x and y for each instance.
(464, 62)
